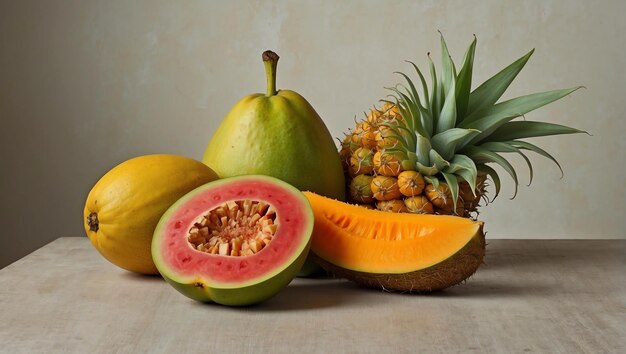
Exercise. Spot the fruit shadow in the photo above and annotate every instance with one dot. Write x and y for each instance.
(142, 277)
(492, 289)
(475, 288)
(304, 294)
(309, 294)
(301, 294)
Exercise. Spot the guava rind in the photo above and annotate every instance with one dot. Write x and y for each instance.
(244, 296)
(256, 289)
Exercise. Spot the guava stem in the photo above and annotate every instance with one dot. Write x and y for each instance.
(270, 59)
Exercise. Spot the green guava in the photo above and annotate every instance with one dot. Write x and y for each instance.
(235, 241)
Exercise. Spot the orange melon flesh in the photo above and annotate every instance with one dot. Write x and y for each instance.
(370, 241)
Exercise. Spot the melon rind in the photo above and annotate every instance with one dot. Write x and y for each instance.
(250, 291)
(442, 275)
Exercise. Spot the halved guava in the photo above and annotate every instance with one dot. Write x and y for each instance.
(236, 241)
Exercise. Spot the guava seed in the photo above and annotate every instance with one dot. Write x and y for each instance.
(234, 228)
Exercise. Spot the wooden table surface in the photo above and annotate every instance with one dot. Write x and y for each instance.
(530, 296)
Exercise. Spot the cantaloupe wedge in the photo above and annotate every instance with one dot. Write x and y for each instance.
(404, 252)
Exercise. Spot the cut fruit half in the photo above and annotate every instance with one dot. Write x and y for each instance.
(404, 252)
(235, 241)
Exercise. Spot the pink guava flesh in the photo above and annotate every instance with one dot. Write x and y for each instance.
(179, 255)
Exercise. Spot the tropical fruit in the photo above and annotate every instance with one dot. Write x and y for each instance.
(435, 143)
(124, 206)
(395, 251)
(236, 241)
(277, 134)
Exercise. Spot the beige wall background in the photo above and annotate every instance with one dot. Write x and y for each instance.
(87, 84)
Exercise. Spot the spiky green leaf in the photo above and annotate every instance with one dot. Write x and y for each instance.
(481, 155)
(426, 170)
(487, 170)
(413, 94)
(447, 141)
(432, 180)
(522, 104)
(447, 69)
(424, 110)
(529, 129)
(464, 81)
(418, 110)
(409, 163)
(453, 184)
(531, 147)
(465, 168)
(406, 113)
(422, 150)
(447, 118)
(437, 159)
(401, 133)
(424, 85)
(409, 112)
(435, 99)
(490, 91)
(489, 119)
(497, 146)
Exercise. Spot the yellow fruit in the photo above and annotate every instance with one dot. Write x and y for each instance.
(364, 135)
(387, 164)
(418, 205)
(441, 197)
(393, 206)
(367, 206)
(373, 116)
(361, 162)
(411, 183)
(123, 208)
(360, 189)
(385, 188)
(385, 137)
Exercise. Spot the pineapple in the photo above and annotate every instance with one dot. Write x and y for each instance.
(428, 149)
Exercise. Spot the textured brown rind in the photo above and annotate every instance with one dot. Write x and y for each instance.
(452, 271)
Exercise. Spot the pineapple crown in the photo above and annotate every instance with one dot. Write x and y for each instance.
(450, 133)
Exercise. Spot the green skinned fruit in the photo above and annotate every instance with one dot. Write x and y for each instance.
(277, 134)
(240, 274)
